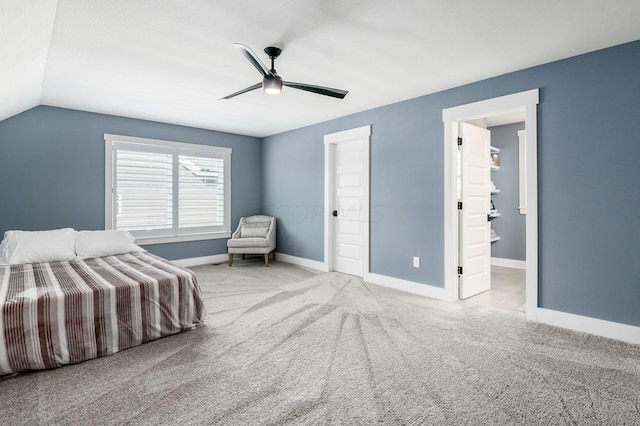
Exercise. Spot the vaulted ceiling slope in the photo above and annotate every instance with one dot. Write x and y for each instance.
(171, 60)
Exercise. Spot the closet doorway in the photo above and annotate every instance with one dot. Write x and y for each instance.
(519, 105)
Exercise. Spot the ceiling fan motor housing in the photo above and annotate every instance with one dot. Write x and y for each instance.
(272, 52)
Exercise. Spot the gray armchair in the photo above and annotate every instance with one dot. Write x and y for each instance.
(254, 235)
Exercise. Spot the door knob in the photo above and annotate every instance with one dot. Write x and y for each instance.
(335, 213)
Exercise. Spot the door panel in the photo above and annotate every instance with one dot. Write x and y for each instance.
(475, 229)
(349, 225)
(349, 228)
(349, 180)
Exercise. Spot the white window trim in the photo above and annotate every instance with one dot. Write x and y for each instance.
(110, 141)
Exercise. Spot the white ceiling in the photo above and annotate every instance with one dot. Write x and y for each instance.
(171, 60)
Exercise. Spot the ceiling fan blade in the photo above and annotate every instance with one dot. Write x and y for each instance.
(240, 92)
(253, 58)
(321, 90)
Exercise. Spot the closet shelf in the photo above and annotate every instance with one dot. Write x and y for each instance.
(493, 212)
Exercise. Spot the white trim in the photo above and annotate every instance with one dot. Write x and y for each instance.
(224, 258)
(162, 143)
(508, 263)
(328, 224)
(355, 133)
(300, 261)
(205, 260)
(330, 140)
(528, 102)
(183, 238)
(408, 286)
(531, 190)
(108, 183)
(599, 327)
(522, 170)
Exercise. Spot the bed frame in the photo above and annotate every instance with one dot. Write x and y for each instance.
(58, 313)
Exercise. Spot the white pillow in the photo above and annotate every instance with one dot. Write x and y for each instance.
(104, 243)
(254, 229)
(37, 246)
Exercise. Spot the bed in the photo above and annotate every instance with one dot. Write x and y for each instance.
(65, 312)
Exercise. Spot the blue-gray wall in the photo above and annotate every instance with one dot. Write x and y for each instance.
(52, 175)
(588, 147)
(405, 166)
(52, 171)
(510, 226)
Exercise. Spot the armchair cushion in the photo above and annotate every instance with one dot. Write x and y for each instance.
(248, 242)
(254, 229)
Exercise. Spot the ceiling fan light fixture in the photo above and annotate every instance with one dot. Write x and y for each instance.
(272, 85)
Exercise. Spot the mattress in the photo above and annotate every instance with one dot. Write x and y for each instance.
(58, 313)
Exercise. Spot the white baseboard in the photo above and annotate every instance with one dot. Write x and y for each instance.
(398, 284)
(300, 261)
(599, 327)
(223, 258)
(408, 286)
(509, 263)
(195, 261)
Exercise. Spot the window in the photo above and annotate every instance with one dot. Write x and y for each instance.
(164, 191)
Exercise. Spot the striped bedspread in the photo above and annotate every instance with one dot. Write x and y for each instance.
(66, 312)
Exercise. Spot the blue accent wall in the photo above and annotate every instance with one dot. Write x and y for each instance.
(52, 171)
(511, 225)
(588, 148)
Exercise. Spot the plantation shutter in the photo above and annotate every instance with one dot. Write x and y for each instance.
(144, 190)
(201, 188)
(168, 190)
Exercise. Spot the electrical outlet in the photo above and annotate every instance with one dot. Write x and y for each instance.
(416, 262)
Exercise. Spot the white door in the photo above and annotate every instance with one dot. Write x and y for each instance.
(475, 229)
(348, 207)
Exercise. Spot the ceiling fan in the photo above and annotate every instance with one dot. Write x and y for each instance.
(272, 83)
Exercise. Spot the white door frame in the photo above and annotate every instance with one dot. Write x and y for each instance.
(330, 141)
(523, 101)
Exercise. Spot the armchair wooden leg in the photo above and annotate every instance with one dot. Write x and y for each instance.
(230, 259)
(266, 259)
(273, 253)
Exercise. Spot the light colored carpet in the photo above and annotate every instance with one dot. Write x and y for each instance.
(286, 345)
